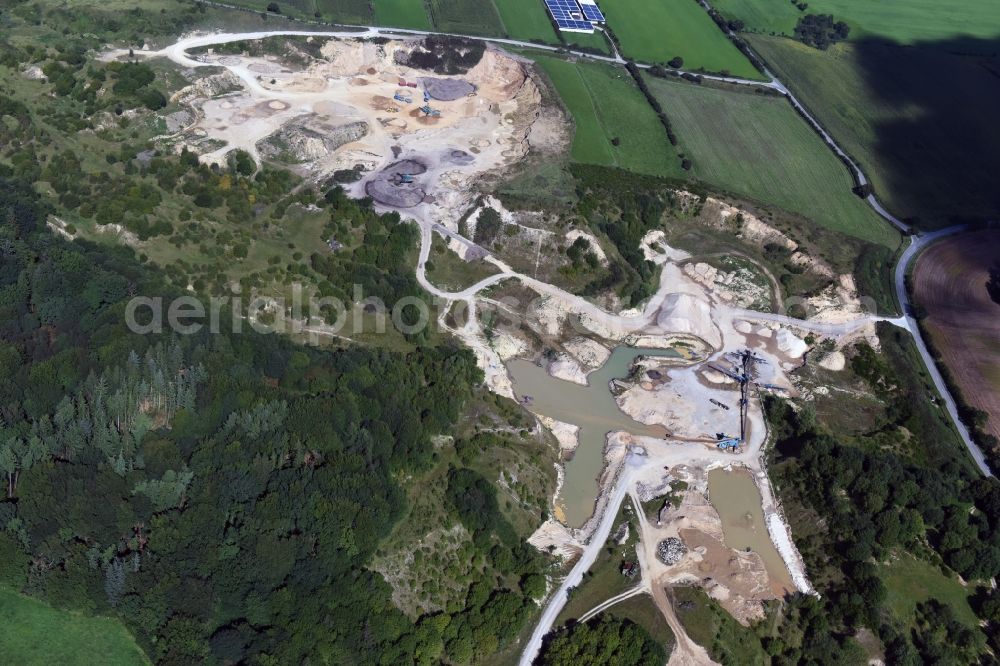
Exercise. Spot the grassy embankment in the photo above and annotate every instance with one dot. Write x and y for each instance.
(35, 634)
(757, 146)
(709, 625)
(658, 31)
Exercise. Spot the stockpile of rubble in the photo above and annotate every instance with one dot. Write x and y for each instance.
(670, 550)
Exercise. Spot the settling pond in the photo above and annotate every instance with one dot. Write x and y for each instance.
(591, 407)
(736, 497)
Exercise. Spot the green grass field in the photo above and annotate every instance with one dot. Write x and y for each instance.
(931, 152)
(757, 146)
(910, 581)
(607, 105)
(526, 20)
(469, 17)
(402, 13)
(903, 22)
(34, 633)
(658, 31)
(345, 11)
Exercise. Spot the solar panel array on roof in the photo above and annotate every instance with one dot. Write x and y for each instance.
(591, 12)
(568, 16)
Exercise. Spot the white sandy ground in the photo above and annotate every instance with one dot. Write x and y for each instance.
(680, 306)
(566, 434)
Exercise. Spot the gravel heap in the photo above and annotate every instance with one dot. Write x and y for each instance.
(671, 550)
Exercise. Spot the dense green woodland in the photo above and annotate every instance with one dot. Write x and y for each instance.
(221, 493)
(603, 640)
(874, 500)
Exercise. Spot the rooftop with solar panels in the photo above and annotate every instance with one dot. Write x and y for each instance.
(574, 15)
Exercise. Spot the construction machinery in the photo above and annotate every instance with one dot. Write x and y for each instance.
(399, 98)
(392, 109)
(728, 373)
(427, 97)
(429, 111)
(727, 443)
(404, 178)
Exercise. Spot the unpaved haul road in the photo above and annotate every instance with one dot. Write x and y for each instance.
(686, 652)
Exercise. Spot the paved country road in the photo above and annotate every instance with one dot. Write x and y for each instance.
(917, 244)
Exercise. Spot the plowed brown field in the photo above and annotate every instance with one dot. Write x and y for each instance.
(950, 283)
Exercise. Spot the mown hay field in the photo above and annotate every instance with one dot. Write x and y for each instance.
(402, 14)
(526, 20)
(658, 31)
(757, 146)
(467, 17)
(608, 107)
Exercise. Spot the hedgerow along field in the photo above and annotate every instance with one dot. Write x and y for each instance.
(36, 634)
(606, 106)
(402, 14)
(757, 146)
(902, 22)
(658, 31)
(920, 120)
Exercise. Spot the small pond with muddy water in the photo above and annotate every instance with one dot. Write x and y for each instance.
(594, 410)
(735, 495)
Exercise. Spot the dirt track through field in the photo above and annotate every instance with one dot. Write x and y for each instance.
(950, 283)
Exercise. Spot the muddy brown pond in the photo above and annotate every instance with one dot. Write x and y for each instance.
(590, 407)
(736, 497)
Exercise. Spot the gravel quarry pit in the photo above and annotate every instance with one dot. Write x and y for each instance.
(388, 188)
(486, 116)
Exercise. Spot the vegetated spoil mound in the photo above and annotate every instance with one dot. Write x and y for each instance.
(447, 90)
(387, 188)
(951, 281)
(670, 550)
(442, 54)
(304, 140)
